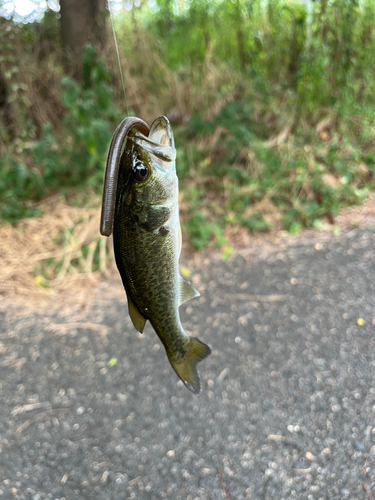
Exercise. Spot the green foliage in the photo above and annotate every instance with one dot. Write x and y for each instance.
(90, 120)
(75, 157)
(305, 180)
(274, 110)
(201, 230)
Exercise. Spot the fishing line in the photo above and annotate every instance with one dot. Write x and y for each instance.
(118, 55)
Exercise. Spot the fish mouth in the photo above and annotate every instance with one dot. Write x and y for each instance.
(159, 143)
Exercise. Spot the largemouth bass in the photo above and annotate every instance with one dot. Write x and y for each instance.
(147, 239)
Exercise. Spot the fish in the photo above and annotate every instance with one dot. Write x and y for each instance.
(147, 238)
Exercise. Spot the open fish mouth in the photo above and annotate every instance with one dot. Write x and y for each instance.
(158, 142)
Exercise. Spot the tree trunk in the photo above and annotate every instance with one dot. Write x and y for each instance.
(82, 22)
(7, 116)
(242, 54)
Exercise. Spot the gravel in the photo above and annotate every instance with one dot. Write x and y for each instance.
(91, 409)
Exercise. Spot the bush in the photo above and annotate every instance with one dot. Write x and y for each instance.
(73, 156)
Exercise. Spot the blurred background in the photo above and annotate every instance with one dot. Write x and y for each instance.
(272, 105)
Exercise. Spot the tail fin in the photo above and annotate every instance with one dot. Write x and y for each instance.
(185, 366)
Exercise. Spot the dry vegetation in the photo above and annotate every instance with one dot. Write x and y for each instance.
(52, 252)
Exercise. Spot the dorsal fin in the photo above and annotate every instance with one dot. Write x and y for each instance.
(187, 291)
(138, 320)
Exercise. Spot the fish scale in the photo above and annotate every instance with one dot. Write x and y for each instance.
(148, 279)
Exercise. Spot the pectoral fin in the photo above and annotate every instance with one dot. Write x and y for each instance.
(138, 320)
(187, 291)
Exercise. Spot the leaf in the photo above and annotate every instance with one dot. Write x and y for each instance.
(295, 228)
(185, 272)
(227, 252)
(39, 280)
(111, 363)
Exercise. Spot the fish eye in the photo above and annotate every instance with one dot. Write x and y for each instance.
(140, 171)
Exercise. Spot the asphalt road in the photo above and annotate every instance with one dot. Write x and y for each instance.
(288, 402)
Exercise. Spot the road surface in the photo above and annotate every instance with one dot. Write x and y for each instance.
(90, 409)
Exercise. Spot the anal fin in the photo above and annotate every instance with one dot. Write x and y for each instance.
(187, 291)
(138, 320)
